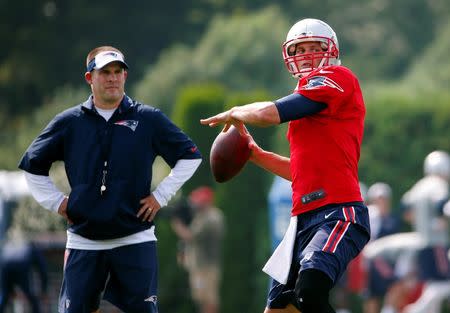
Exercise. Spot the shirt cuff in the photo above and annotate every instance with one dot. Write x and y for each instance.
(44, 191)
(180, 173)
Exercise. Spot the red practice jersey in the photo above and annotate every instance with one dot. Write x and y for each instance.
(325, 147)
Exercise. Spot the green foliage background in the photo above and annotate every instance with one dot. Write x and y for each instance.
(193, 59)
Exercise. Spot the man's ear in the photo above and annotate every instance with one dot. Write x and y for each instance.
(125, 74)
(88, 77)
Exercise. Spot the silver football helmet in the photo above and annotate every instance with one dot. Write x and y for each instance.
(310, 30)
(437, 163)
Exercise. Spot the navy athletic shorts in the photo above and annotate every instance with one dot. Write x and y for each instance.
(327, 239)
(433, 263)
(125, 276)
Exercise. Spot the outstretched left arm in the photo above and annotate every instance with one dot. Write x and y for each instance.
(260, 114)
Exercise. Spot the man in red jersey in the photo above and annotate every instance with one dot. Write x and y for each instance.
(329, 224)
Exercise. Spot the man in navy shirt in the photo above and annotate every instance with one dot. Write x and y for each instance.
(108, 145)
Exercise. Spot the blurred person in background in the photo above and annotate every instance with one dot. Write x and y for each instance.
(203, 251)
(18, 263)
(382, 220)
(380, 270)
(329, 222)
(108, 145)
(180, 211)
(429, 269)
(433, 189)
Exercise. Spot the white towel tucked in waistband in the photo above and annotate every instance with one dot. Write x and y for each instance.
(279, 263)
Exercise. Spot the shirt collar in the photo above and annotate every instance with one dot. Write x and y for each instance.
(125, 104)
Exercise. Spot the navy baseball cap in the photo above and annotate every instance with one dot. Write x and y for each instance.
(104, 58)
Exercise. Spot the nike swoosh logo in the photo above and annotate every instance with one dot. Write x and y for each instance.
(325, 72)
(329, 214)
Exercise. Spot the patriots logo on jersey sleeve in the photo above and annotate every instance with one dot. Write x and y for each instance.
(321, 81)
(132, 124)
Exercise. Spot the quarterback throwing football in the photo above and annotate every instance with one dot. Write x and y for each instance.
(329, 224)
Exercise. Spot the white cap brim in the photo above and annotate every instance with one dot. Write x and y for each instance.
(104, 58)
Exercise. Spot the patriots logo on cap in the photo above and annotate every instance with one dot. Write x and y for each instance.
(112, 53)
(320, 81)
(151, 299)
(132, 124)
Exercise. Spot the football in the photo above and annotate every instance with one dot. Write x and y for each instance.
(229, 153)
